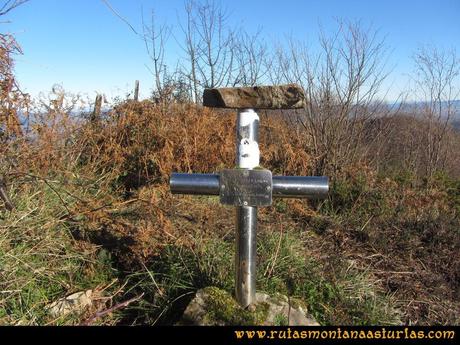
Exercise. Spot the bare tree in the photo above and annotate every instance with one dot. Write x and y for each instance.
(155, 38)
(251, 59)
(276, 67)
(435, 88)
(216, 51)
(209, 46)
(342, 82)
(191, 49)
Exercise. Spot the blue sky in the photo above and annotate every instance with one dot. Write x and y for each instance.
(82, 45)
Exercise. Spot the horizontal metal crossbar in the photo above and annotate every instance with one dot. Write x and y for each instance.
(311, 187)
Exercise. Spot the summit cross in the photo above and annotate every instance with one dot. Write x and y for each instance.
(248, 186)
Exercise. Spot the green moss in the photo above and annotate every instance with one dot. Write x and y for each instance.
(280, 320)
(261, 313)
(221, 308)
(297, 303)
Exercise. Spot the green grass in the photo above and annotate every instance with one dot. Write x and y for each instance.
(39, 260)
(345, 292)
(283, 267)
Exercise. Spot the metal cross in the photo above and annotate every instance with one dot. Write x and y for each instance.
(248, 187)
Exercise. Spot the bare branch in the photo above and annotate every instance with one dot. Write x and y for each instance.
(9, 5)
(124, 20)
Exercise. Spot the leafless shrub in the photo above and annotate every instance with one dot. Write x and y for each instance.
(155, 37)
(342, 82)
(209, 44)
(435, 85)
(251, 55)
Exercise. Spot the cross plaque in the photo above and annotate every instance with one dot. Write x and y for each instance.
(248, 187)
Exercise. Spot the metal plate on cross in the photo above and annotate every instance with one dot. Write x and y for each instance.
(244, 187)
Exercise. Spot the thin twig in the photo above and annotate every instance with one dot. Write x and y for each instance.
(58, 195)
(10, 5)
(153, 279)
(111, 310)
(120, 17)
(172, 302)
(47, 182)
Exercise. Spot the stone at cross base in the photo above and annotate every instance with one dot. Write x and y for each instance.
(215, 307)
(290, 96)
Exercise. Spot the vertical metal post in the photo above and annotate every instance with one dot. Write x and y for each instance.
(247, 157)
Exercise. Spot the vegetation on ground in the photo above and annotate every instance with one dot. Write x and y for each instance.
(85, 203)
(93, 211)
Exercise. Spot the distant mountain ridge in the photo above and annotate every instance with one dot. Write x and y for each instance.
(414, 105)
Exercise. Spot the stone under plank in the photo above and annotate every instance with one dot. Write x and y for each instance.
(290, 96)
